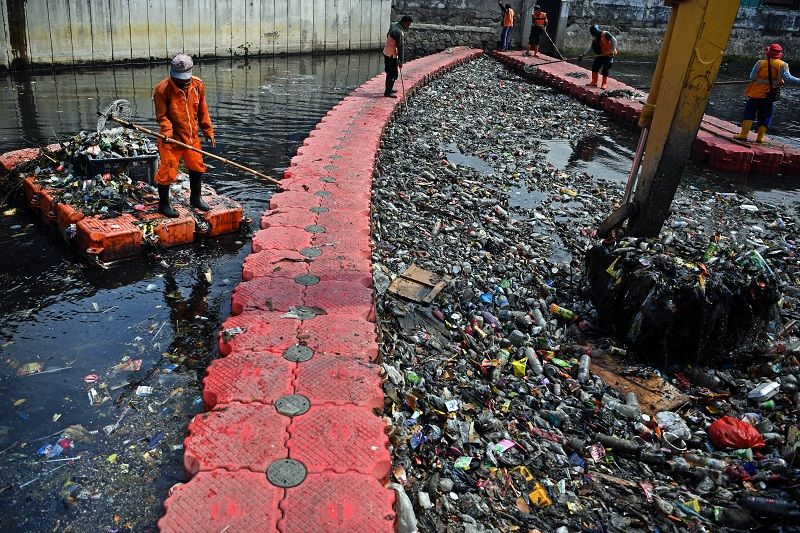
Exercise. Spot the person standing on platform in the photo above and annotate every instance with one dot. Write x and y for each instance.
(604, 47)
(393, 53)
(508, 23)
(182, 113)
(763, 91)
(538, 27)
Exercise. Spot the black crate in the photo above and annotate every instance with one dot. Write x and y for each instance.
(138, 168)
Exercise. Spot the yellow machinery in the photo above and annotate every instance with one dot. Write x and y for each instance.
(690, 56)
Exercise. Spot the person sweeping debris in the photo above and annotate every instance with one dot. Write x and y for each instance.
(393, 53)
(182, 113)
(508, 23)
(604, 47)
(763, 91)
(538, 27)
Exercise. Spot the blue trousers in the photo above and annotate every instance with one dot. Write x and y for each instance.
(761, 108)
(505, 38)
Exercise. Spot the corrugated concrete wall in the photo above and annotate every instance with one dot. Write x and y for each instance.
(86, 31)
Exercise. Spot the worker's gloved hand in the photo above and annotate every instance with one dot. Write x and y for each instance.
(166, 140)
(212, 142)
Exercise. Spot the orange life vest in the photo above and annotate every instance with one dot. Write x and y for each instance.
(508, 18)
(539, 19)
(602, 46)
(760, 90)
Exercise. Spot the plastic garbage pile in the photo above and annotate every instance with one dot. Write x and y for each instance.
(71, 172)
(510, 408)
(674, 309)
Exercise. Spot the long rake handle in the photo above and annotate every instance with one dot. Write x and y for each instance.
(189, 147)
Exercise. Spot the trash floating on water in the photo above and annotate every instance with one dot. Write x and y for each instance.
(510, 407)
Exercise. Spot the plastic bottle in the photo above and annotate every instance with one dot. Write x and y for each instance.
(490, 319)
(538, 317)
(770, 505)
(711, 251)
(533, 361)
(708, 462)
(704, 379)
(583, 368)
(620, 445)
(564, 313)
(632, 400)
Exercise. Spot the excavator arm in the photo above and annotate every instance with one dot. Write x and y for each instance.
(692, 51)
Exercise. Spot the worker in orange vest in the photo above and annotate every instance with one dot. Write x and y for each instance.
(182, 113)
(394, 53)
(763, 90)
(538, 27)
(508, 23)
(604, 47)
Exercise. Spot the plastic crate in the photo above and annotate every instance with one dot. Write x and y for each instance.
(138, 168)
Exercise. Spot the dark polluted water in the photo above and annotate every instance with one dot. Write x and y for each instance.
(122, 351)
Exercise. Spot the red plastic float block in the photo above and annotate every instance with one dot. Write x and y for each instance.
(223, 501)
(790, 166)
(337, 503)
(11, 160)
(268, 294)
(340, 267)
(354, 222)
(766, 159)
(340, 335)
(340, 438)
(337, 298)
(262, 332)
(293, 199)
(235, 436)
(725, 155)
(343, 243)
(339, 380)
(281, 238)
(276, 264)
(248, 377)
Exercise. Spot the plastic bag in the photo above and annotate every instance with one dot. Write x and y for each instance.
(730, 432)
(673, 423)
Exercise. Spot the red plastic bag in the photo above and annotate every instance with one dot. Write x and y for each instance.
(729, 432)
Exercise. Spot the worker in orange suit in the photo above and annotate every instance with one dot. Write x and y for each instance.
(182, 113)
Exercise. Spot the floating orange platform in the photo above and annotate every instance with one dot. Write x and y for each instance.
(106, 239)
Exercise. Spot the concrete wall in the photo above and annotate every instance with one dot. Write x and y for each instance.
(424, 39)
(91, 31)
(639, 26)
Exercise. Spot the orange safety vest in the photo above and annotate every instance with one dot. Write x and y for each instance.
(508, 18)
(602, 45)
(760, 90)
(539, 20)
(390, 48)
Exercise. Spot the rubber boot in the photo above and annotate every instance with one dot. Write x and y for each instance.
(762, 133)
(605, 83)
(195, 199)
(593, 83)
(742, 135)
(163, 202)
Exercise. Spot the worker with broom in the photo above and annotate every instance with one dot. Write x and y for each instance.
(604, 47)
(394, 53)
(538, 27)
(182, 113)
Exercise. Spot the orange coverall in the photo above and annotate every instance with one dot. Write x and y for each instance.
(182, 114)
